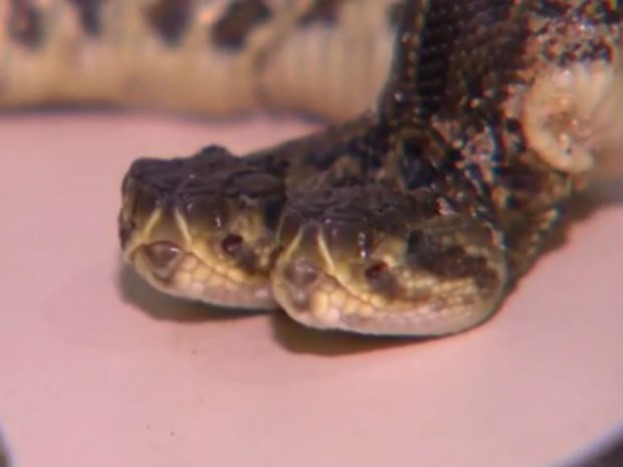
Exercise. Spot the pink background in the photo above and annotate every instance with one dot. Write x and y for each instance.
(96, 369)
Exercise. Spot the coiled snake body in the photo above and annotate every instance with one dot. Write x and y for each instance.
(414, 218)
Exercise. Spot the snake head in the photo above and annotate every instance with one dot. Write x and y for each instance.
(202, 227)
(383, 262)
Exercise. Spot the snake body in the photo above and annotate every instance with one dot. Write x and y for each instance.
(218, 57)
(415, 217)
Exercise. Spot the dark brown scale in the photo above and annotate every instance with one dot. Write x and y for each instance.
(419, 79)
(89, 14)
(551, 8)
(258, 183)
(460, 53)
(337, 155)
(169, 19)
(423, 158)
(608, 12)
(24, 24)
(231, 30)
(323, 12)
(578, 35)
(425, 251)
(594, 51)
(512, 125)
(372, 147)
(170, 176)
(520, 178)
(441, 33)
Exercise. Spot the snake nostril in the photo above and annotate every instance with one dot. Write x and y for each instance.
(301, 273)
(162, 257)
(232, 244)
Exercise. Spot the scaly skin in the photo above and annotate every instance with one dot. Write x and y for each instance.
(415, 218)
(210, 57)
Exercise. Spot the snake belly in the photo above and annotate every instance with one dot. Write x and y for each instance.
(461, 131)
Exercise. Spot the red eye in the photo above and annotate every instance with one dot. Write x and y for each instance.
(375, 271)
(232, 243)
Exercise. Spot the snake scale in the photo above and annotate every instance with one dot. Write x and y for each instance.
(461, 131)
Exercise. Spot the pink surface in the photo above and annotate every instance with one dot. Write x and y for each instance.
(96, 369)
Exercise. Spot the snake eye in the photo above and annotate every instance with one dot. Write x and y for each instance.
(380, 278)
(375, 271)
(232, 244)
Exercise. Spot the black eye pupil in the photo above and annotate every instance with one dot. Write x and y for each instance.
(232, 243)
(375, 271)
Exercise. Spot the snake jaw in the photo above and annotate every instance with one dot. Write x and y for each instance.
(432, 307)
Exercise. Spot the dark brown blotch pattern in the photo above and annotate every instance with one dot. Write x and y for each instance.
(323, 12)
(169, 19)
(89, 15)
(426, 251)
(25, 24)
(232, 29)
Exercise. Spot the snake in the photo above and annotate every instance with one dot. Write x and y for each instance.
(458, 134)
